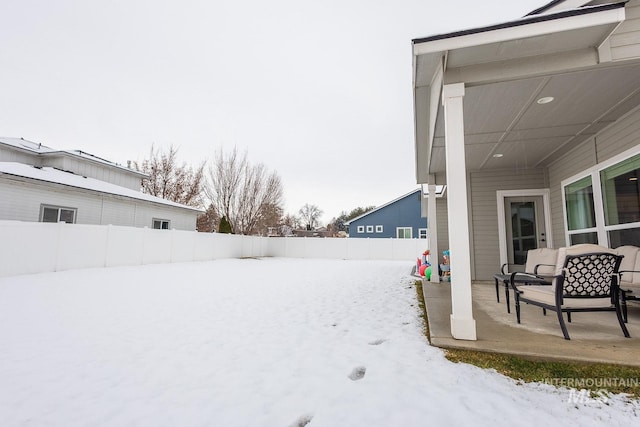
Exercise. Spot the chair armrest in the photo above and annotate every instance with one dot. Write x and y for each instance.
(535, 269)
(519, 279)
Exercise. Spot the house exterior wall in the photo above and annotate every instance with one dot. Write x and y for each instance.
(442, 222)
(624, 41)
(94, 170)
(21, 201)
(405, 212)
(10, 155)
(484, 207)
(617, 138)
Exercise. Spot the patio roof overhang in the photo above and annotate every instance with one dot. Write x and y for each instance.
(506, 69)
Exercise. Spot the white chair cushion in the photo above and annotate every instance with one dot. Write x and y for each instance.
(538, 256)
(630, 254)
(584, 248)
(545, 294)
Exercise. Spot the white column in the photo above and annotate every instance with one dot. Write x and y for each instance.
(463, 325)
(432, 224)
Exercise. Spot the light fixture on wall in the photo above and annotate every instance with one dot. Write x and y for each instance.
(545, 100)
(498, 155)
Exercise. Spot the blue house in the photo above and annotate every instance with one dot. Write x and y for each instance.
(401, 218)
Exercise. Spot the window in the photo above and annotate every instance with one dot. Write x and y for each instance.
(379, 229)
(581, 217)
(404, 233)
(361, 229)
(603, 206)
(161, 224)
(57, 214)
(422, 233)
(369, 228)
(621, 201)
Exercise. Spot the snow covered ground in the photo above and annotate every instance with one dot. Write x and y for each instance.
(270, 342)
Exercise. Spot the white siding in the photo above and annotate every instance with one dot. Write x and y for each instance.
(91, 169)
(20, 200)
(625, 41)
(7, 155)
(483, 187)
(572, 163)
(618, 138)
(621, 136)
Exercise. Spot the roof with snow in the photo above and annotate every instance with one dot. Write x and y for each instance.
(56, 176)
(42, 150)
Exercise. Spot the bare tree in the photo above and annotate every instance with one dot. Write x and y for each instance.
(310, 215)
(206, 222)
(172, 181)
(242, 192)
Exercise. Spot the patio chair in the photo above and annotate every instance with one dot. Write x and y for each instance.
(538, 270)
(586, 279)
(629, 277)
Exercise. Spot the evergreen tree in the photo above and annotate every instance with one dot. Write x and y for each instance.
(225, 226)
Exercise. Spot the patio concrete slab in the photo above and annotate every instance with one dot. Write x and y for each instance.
(595, 337)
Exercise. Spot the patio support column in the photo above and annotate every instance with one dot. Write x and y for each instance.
(463, 325)
(432, 225)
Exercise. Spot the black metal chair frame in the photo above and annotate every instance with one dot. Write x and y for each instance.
(507, 278)
(563, 284)
(627, 295)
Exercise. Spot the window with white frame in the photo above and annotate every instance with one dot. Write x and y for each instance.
(50, 213)
(603, 206)
(369, 228)
(404, 232)
(379, 229)
(580, 209)
(361, 229)
(621, 202)
(161, 224)
(422, 233)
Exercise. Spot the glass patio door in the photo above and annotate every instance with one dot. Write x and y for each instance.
(525, 228)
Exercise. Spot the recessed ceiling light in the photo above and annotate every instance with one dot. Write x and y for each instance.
(633, 178)
(545, 100)
(498, 155)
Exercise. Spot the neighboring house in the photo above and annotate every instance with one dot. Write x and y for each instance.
(534, 126)
(38, 183)
(400, 218)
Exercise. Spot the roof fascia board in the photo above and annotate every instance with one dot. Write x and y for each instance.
(523, 67)
(524, 28)
(557, 5)
(383, 206)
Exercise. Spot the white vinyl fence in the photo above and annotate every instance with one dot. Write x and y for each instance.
(35, 247)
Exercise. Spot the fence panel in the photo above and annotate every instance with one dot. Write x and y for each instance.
(33, 247)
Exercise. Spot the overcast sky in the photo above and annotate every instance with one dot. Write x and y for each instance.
(319, 91)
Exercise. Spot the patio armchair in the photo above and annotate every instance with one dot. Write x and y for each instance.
(586, 279)
(538, 270)
(629, 277)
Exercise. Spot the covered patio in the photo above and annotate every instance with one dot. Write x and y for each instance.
(517, 113)
(595, 337)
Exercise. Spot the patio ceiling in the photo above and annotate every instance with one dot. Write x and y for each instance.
(505, 117)
(506, 69)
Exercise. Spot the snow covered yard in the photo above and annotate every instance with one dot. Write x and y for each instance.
(270, 342)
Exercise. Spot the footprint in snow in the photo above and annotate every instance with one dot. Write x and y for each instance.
(302, 421)
(377, 342)
(357, 373)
